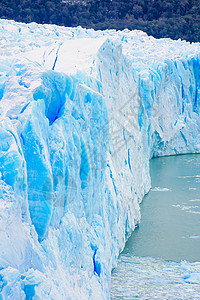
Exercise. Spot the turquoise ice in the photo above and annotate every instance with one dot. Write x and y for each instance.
(81, 114)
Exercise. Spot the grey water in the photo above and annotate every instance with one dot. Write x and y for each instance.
(161, 258)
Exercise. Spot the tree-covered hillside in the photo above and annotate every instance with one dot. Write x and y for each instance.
(160, 18)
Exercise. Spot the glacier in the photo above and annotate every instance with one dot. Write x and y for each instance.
(81, 114)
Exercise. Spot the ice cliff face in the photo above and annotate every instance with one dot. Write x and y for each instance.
(81, 114)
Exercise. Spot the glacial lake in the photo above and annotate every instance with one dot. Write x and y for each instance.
(161, 258)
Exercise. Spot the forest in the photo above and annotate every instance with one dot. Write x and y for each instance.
(159, 18)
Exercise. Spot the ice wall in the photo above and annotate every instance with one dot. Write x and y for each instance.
(81, 114)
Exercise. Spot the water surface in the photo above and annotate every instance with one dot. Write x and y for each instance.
(170, 222)
(161, 258)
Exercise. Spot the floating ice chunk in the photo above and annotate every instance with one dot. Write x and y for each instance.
(194, 236)
(193, 278)
(195, 200)
(160, 189)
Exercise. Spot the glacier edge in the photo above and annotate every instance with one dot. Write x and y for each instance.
(76, 139)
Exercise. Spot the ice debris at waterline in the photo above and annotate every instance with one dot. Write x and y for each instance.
(82, 112)
(150, 278)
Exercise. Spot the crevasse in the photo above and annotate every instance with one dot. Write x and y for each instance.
(81, 114)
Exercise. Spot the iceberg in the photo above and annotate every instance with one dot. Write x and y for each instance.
(81, 114)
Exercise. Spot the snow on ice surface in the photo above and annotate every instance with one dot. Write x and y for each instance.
(81, 114)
